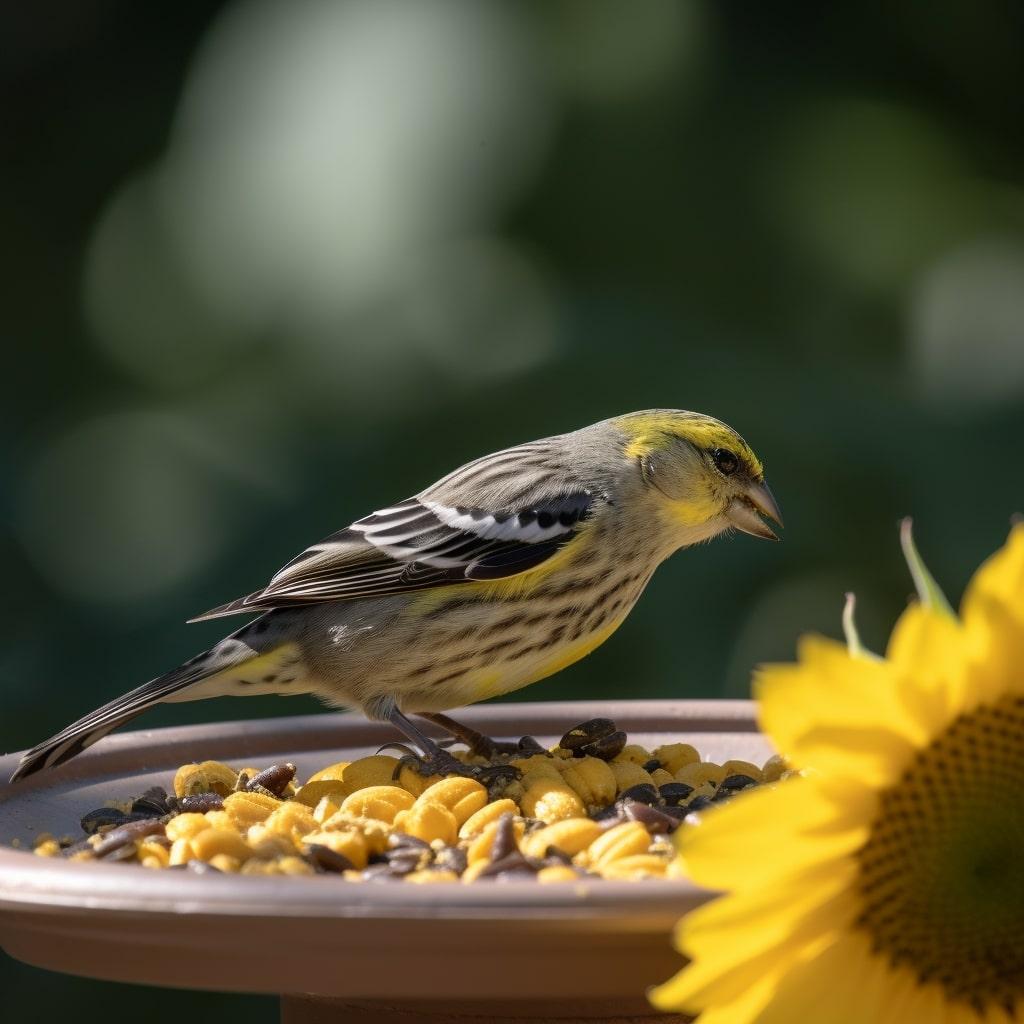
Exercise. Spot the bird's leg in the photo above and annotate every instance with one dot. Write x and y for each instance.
(478, 743)
(436, 761)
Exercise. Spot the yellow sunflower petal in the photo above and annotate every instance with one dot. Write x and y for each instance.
(843, 984)
(734, 940)
(995, 641)
(746, 1007)
(927, 649)
(1000, 578)
(801, 706)
(784, 828)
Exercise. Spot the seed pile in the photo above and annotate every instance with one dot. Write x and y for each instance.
(595, 805)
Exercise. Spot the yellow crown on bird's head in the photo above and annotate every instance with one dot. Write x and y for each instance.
(651, 430)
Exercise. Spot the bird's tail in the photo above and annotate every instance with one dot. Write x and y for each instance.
(231, 667)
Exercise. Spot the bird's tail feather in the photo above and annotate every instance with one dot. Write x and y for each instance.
(95, 725)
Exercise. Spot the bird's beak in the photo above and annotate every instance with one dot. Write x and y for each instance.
(745, 511)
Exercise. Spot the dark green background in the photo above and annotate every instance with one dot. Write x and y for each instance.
(804, 219)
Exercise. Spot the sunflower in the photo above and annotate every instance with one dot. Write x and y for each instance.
(885, 883)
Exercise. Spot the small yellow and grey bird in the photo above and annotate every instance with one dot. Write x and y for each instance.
(500, 574)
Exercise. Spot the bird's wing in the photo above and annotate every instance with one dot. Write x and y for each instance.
(493, 518)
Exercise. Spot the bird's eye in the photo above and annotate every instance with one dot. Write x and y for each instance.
(726, 461)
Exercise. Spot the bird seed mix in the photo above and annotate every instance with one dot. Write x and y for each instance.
(594, 806)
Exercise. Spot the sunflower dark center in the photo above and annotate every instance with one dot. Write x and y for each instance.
(942, 875)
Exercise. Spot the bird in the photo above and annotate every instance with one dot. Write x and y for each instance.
(500, 574)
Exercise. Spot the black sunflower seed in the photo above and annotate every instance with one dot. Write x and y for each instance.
(643, 793)
(586, 732)
(674, 793)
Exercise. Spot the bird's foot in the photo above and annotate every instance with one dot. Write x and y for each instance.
(480, 745)
(494, 776)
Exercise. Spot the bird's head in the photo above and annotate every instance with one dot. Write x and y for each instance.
(700, 475)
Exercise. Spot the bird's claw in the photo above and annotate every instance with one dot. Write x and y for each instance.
(494, 776)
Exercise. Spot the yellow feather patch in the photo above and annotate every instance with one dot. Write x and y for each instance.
(653, 431)
(275, 671)
(512, 587)
(495, 682)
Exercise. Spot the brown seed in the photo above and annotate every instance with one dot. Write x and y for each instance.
(128, 833)
(504, 838)
(399, 840)
(273, 779)
(152, 803)
(326, 859)
(451, 858)
(656, 821)
(104, 817)
(512, 865)
(200, 803)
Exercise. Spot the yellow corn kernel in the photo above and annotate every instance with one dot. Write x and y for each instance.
(463, 797)
(220, 840)
(637, 866)
(773, 768)
(570, 836)
(47, 848)
(476, 823)
(623, 840)
(292, 820)
(208, 777)
(249, 808)
(557, 873)
(551, 800)
(480, 848)
(633, 753)
(348, 844)
(325, 809)
(540, 764)
(375, 770)
(380, 802)
(747, 768)
(293, 865)
(374, 832)
(429, 822)
(317, 789)
(154, 863)
(267, 844)
(332, 773)
(411, 780)
(628, 774)
(180, 852)
(700, 772)
(226, 863)
(592, 781)
(185, 826)
(219, 819)
(258, 867)
(661, 777)
(674, 756)
(152, 851)
(430, 877)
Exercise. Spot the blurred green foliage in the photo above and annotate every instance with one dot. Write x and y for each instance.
(271, 266)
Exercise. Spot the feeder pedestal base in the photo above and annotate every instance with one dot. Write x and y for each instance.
(314, 1010)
